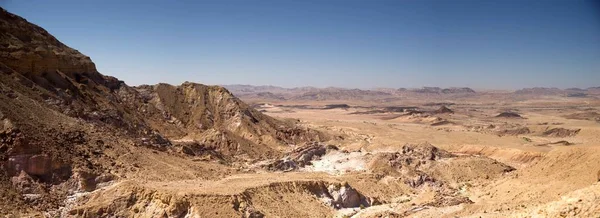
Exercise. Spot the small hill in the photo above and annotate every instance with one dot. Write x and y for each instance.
(443, 110)
(509, 115)
(561, 132)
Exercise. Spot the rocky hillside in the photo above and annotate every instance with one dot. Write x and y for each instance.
(211, 115)
(61, 120)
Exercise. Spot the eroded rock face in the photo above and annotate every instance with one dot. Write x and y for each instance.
(38, 165)
(88, 181)
(13, 139)
(513, 131)
(303, 155)
(345, 196)
(29, 48)
(411, 162)
(25, 183)
(423, 152)
(300, 157)
(284, 165)
(126, 199)
(561, 132)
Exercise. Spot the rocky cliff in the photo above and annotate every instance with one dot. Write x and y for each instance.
(62, 122)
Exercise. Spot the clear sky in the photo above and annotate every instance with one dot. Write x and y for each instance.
(483, 44)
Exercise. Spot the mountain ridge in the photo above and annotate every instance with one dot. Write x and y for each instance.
(64, 124)
(275, 93)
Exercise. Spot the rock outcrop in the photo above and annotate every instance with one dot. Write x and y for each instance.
(344, 196)
(513, 131)
(561, 132)
(300, 157)
(32, 51)
(509, 115)
(443, 110)
(212, 116)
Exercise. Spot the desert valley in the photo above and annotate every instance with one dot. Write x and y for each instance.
(77, 143)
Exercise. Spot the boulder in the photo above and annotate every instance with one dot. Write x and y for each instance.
(344, 196)
(25, 183)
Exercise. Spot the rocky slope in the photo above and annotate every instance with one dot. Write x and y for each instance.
(65, 127)
(211, 115)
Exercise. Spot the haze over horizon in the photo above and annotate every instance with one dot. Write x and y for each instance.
(350, 44)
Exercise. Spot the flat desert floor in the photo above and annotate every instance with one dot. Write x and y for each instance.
(554, 148)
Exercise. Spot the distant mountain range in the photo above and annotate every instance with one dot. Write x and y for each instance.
(335, 93)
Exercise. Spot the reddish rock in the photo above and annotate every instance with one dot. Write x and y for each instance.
(16, 164)
(39, 165)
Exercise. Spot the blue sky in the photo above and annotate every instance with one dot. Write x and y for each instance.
(483, 44)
